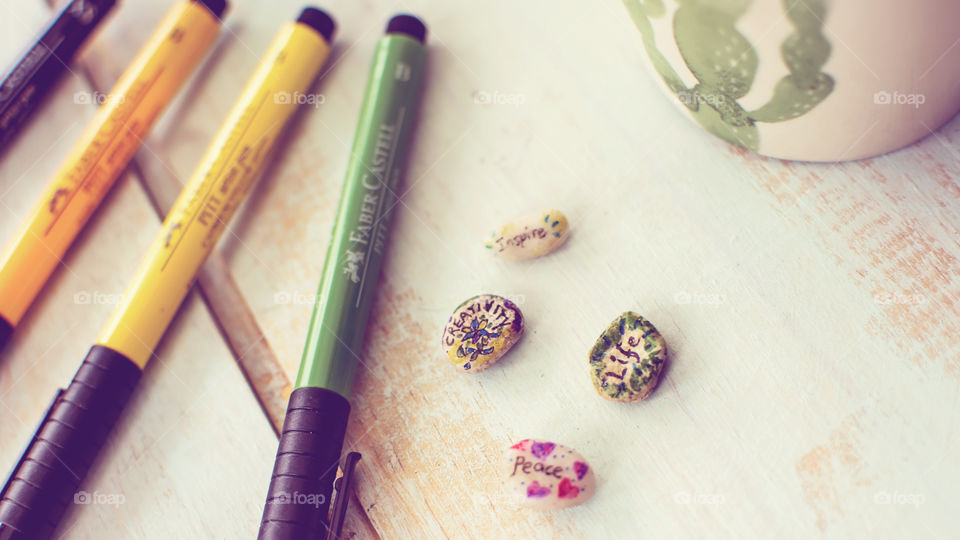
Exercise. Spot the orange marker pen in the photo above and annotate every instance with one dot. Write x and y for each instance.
(103, 152)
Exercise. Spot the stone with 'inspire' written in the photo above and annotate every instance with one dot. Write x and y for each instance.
(480, 331)
(546, 475)
(530, 236)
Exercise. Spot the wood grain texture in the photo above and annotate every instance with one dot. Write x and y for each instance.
(810, 310)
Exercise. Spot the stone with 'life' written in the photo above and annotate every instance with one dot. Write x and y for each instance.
(627, 359)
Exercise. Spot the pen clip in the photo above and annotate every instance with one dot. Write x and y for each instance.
(33, 440)
(342, 486)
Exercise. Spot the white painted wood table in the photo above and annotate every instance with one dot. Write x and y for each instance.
(811, 311)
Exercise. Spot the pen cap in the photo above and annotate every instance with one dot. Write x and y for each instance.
(46, 480)
(298, 499)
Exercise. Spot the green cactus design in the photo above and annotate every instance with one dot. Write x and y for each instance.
(725, 63)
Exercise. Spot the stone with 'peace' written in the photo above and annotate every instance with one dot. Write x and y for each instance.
(626, 361)
(480, 331)
(530, 236)
(547, 475)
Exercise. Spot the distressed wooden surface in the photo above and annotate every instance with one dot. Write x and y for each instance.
(811, 311)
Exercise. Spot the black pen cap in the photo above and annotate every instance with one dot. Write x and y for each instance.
(217, 7)
(320, 21)
(409, 26)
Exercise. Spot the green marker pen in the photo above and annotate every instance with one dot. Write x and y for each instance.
(313, 431)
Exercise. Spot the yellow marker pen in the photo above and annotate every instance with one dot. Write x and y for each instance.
(103, 151)
(71, 434)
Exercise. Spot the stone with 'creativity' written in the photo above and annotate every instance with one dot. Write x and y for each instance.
(480, 331)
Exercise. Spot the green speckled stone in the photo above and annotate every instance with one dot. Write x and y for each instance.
(626, 361)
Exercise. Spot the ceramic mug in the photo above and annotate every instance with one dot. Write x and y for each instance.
(815, 80)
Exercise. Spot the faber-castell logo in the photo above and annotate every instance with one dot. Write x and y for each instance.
(351, 266)
(369, 233)
(368, 230)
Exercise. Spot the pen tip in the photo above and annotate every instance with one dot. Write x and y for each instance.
(319, 20)
(408, 25)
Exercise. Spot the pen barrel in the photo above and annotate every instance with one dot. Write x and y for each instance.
(65, 446)
(361, 228)
(43, 63)
(103, 150)
(298, 499)
(235, 159)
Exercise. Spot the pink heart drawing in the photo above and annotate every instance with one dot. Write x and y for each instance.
(581, 469)
(567, 490)
(536, 490)
(542, 449)
(522, 445)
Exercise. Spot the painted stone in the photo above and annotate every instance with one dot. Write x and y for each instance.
(480, 331)
(626, 361)
(530, 236)
(547, 475)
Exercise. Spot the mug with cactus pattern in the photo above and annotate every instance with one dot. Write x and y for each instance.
(818, 80)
